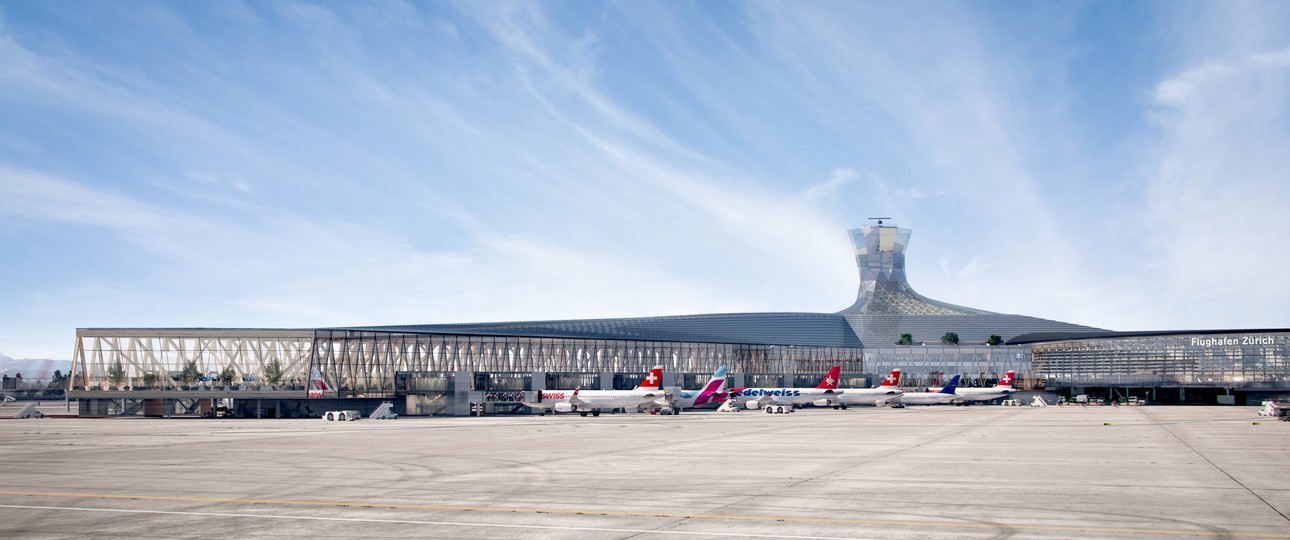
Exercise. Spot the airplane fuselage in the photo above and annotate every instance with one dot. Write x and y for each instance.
(870, 396)
(927, 398)
(984, 394)
(592, 400)
(752, 397)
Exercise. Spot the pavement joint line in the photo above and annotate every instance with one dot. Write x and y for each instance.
(618, 513)
(425, 522)
(1220, 469)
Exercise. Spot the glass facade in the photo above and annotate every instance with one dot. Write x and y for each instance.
(365, 363)
(174, 360)
(435, 371)
(933, 365)
(1253, 360)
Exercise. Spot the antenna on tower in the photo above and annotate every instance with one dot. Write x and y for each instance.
(879, 219)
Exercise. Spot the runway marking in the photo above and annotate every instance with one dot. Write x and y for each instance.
(436, 523)
(618, 513)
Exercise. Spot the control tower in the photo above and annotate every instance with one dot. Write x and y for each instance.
(886, 306)
(880, 256)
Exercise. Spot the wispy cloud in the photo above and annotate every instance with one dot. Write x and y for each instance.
(1216, 184)
(294, 165)
(840, 177)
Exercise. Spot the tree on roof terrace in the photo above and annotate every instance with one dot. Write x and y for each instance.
(950, 338)
(116, 374)
(190, 373)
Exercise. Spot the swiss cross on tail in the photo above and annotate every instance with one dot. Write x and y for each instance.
(654, 380)
(830, 381)
(1007, 378)
(893, 379)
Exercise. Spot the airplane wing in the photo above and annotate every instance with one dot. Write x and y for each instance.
(658, 402)
(768, 400)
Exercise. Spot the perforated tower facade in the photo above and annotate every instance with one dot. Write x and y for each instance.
(886, 306)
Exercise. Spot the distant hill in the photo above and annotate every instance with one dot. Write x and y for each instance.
(32, 368)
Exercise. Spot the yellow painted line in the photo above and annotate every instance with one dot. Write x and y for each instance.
(844, 521)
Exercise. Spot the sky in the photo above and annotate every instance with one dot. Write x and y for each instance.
(1121, 165)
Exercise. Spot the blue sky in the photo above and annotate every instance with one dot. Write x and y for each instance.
(280, 164)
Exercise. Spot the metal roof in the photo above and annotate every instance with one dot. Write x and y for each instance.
(882, 330)
(807, 329)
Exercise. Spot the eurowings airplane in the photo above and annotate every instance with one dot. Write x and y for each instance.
(878, 396)
(943, 396)
(710, 394)
(594, 401)
(973, 395)
(760, 398)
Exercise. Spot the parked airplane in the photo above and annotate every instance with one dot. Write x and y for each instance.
(881, 395)
(594, 401)
(940, 397)
(318, 387)
(710, 394)
(778, 399)
(980, 395)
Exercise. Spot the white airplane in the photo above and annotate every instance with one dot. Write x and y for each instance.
(972, 395)
(943, 396)
(878, 396)
(594, 401)
(710, 394)
(786, 399)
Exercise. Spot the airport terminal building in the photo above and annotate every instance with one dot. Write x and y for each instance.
(453, 369)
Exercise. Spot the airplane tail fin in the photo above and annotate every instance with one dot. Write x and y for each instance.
(1007, 380)
(317, 386)
(711, 390)
(950, 386)
(830, 381)
(654, 380)
(893, 379)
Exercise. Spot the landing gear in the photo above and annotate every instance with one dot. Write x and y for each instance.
(593, 413)
(583, 413)
(844, 406)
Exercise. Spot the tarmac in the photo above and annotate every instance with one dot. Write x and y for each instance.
(919, 472)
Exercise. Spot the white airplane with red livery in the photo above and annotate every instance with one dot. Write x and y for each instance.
(782, 400)
(1003, 389)
(878, 396)
(593, 401)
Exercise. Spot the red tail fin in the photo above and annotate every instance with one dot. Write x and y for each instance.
(317, 386)
(654, 380)
(1007, 378)
(893, 379)
(830, 381)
